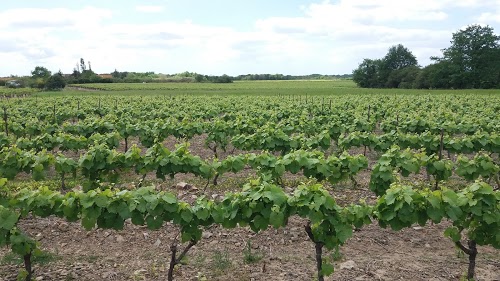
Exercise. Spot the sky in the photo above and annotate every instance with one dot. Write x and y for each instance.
(228, 37)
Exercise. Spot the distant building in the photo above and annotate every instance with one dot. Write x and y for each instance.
(13, 84)
(105, 76)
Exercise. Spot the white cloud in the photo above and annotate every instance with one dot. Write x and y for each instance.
(329, 37)
(150, 9)
(490, 17)
(35, 18)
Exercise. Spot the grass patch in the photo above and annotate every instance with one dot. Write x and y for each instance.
(221, 261)
(42, 259)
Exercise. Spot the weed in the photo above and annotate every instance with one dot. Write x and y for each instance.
(200, 260)
(221, 260)
(42, 258)
(248, 256)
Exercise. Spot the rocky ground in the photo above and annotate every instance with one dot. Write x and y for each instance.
(135, 253)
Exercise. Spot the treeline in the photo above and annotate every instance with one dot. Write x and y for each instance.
(471, 62)
(41, 78)
(151, 77)
(291, 77)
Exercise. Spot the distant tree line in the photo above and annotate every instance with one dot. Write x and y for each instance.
(291, 77)
(151, 77)
(472, 61)
(41, 78)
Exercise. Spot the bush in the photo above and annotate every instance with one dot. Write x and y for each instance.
(38, 83)
(55, 82)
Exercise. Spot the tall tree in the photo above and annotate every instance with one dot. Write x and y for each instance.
(475, 54)
(83, 67)
(399, 57)
(367, 75)
(388, 72)
(39, 76)
(40, 72)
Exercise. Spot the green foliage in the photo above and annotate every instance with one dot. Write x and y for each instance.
(367, 75)
(55, 82)
(396, 69)
(399, 57)
(260, 205)
(481, 166)
(42, 258)
(474, 55)
(221, 260)
(40, 72)
(475, 209)
(470, 62)
(295, 136)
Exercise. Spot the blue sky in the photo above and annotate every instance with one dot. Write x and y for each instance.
(232, 37)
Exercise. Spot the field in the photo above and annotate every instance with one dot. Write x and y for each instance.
(260, 180)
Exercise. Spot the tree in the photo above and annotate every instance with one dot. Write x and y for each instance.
(438, 75)
(367, 75)
(198, 78)
(39, 77)
(388, 71)
(399, 57)
(55, 82)
(403, 78)
(475, 54)
(82, 65)
(40, 72)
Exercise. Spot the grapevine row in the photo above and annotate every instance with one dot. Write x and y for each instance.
(264, 139)
(100, 162)
(260, 205)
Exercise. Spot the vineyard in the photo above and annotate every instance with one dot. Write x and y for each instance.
(288, 180)
(13, 92)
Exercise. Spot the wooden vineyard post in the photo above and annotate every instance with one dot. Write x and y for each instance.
(5, 121)
(440, 152)
(364, 153)
(441, 145)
